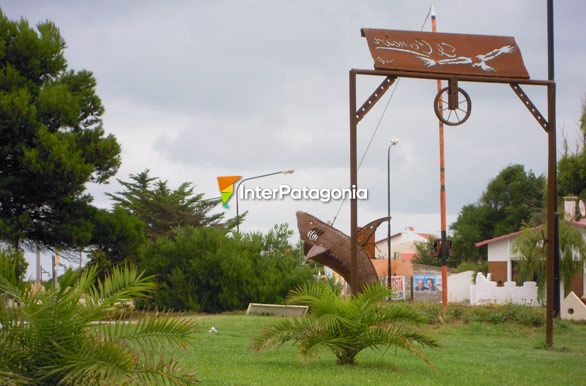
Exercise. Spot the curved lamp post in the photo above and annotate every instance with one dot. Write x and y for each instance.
(254, 178)
(391, 144)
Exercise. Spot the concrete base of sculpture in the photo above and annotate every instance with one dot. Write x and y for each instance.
(573, 308)
(275, 310)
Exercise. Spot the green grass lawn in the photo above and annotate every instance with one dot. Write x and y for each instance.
(470, 354)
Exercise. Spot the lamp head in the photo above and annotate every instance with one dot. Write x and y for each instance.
(394, 142)
(291, 171)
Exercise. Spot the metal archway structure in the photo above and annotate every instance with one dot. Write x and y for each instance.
(454, 58)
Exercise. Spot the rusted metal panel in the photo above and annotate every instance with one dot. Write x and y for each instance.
(445, 53)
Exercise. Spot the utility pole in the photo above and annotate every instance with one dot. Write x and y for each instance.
(38, 264)
(444, 247)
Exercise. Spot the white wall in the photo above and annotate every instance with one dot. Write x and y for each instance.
(459, 286)
(486, 291)
(499, 250)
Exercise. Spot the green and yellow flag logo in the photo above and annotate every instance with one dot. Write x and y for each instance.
(226, 184)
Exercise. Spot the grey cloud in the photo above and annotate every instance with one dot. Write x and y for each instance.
(258, 86)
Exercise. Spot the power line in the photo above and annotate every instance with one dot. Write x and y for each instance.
(378, 124)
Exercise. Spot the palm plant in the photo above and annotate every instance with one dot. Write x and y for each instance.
(346, 326)
(57, 337)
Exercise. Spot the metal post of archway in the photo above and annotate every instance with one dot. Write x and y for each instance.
(549, 125)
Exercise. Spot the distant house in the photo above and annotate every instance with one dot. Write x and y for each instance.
(403, 251)
(402, 245)
(502, 262)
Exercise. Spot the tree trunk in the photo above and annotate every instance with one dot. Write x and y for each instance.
(347, 359)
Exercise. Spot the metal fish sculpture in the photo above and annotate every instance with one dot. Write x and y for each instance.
(331, 247)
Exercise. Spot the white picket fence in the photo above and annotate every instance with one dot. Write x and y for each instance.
(486, 291)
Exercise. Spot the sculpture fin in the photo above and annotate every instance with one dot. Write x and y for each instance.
(368, 230)
(315, 251)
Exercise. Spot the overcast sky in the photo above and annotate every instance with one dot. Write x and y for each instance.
(196, 89)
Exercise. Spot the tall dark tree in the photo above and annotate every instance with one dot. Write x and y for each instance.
(51, 138)
(572, 166)
(117, 237)
(514, 197)
(162, 208)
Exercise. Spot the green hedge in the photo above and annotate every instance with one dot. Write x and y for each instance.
(210, 270)
(494, 314)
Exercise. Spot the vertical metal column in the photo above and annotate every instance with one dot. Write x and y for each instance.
(552, 240)
(551, 76)
(353, 185)
(389, 267)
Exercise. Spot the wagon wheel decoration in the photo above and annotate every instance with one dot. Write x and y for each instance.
(452, 106)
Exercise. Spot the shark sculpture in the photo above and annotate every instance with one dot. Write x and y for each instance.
(328, 246)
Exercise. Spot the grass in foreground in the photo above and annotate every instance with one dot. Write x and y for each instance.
(475, 353)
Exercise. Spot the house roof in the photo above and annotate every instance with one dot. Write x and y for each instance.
(386, 238)
(499, 238)
(424, 235)
(580, 224)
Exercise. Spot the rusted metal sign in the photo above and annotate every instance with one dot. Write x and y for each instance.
(444, 53)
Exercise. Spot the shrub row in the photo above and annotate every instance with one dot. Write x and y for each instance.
(494, 314)
(210, 270)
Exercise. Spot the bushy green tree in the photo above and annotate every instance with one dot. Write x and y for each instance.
(117, 237)
(51, 137)
(346, 326)
(51, 337)
(424, 254)
(13, 265)
(532, 266)
(572, 166)
(161, 208)
(510, 200)
(207, 269)
(572, 174)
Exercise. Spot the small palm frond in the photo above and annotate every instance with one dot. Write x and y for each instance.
(121, 284)
(335, 343)
(280, 332)
(161, 372)
(401, 336)
(93, 362)
(308, 294)
(10, 290)
(150, 333)
(371, 295)
(11, 379)
(397, 312)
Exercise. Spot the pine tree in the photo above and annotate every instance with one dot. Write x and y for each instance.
(51, 139)
(162, 208)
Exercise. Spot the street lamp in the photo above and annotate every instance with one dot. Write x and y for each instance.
(391, 144)
(254, 178)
